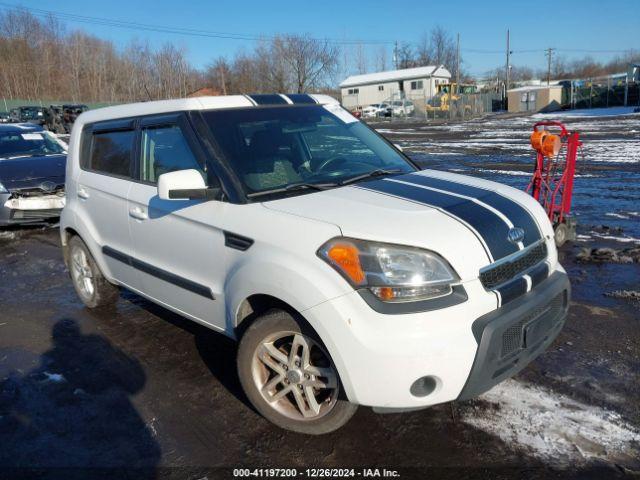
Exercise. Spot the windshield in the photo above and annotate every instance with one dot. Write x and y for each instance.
(273, 147)
(28, 143)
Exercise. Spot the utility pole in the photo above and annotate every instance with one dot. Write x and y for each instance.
(395, 55)
(458, 65)
(549, 54)
(508, 71)
(222, 80)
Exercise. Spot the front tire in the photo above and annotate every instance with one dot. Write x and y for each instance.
(289, 377)
(93, 289)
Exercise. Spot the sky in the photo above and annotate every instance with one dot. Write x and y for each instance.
(574, 28)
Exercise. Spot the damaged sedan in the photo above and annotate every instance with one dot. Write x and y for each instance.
(32, 174)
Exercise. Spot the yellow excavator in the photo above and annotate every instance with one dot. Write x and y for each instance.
(447, 92)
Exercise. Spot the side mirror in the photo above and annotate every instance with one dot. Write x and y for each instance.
(398, 147)
(185, 185)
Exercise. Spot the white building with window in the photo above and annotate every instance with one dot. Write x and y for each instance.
(411, 83)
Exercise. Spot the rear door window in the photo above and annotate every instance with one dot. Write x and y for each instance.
(111, 152)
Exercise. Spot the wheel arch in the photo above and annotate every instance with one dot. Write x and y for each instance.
(65, 237)
(254, 305)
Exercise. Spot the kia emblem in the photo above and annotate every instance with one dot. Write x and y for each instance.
(48, 186)
(515, 235)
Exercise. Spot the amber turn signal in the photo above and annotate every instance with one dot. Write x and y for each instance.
(346, 257)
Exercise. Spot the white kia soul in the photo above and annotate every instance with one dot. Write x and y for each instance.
(348, 276)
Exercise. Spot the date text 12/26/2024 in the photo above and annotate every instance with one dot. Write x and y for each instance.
(315, 473)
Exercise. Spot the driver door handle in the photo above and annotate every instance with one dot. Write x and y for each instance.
(82, 193)
(138, 213)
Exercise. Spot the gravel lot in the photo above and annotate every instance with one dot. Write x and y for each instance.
(138, 392)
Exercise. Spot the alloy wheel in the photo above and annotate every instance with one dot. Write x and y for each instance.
(81, 272)
(295, 376)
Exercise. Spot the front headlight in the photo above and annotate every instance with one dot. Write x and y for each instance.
(393, 273)
(2, 189)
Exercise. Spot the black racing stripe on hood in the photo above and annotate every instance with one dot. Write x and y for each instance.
(513, 290)
(515, 212)
(538, 274)
(489, 225)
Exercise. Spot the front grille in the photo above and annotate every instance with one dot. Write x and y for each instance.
(505, 271)
(35, 214)
(38, 191)
(512, 338)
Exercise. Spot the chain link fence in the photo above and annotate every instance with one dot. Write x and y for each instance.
(420, 107)
(599, 92)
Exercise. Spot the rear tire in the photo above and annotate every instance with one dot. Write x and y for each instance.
(93, 289)
(289, 377)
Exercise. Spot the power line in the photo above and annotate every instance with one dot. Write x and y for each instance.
(249, 37)
(173, 30)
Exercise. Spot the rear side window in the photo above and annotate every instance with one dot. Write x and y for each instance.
(111, 152)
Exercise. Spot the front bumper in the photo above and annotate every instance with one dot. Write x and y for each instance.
(380, 356)
(37, 209)
(514, 335)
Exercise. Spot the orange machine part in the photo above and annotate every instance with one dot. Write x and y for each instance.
(537, 137)
(551, 145)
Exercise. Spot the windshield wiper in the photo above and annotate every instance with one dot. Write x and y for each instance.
(380, 172)
(293, 187)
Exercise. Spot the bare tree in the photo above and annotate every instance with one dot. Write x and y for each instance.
(405, 56)
(443, 49)
(41, 61)
(423, 51)
(219, 75)
(310, 61)
(381, 59)
(361, 59)
(519, 74)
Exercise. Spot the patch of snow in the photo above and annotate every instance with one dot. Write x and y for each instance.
(55, 377)
(616, 238)
(588, 112)
(517, 173)
(612, 151)
(520, 173)
(398, 131)
(617, 215)
(552, 426)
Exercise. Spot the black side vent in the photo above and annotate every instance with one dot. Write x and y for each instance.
(237, 242)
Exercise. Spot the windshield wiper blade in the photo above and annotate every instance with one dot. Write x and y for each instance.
(380, 172)
(293, 187)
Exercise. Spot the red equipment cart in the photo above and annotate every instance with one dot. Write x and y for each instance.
(552, 181)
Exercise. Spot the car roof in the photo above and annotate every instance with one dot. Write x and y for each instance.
(20, 128)
(199, 103)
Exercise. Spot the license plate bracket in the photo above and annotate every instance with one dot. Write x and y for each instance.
(535, 331)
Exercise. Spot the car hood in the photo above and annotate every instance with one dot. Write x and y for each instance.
(465, 220)
(31, 172)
